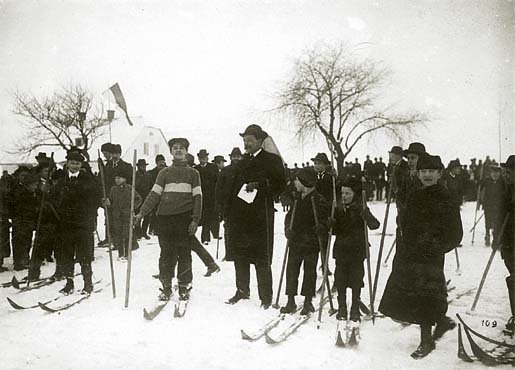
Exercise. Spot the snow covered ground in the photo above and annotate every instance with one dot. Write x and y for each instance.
(101, 334)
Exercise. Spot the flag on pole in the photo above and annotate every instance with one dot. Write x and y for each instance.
(120, 100)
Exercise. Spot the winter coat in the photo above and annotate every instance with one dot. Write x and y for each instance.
(349, 245)
(120, 197)
(249, 221)
(208, 177)
(25, 204)
(223, 189)
(455, 186)
(408, 185)
(416, 291)
(143, 183)
(304, 234)
(325, 185)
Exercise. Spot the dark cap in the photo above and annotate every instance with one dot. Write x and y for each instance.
(352, 182)
(396, 150)
(123, 171)
(107, 147)
(307, 177)
(510, 162)
(179, 140)
(202, 153)
(322, 157)
(429, 162)
(160, 157)
(256, 131)
(218, 159)
(141, 162)
(73, 155)
(454, 164)
(42, 156)
(235, 151)
(415, 148)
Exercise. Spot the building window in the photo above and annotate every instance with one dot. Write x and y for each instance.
(145, 148)
(156, 149)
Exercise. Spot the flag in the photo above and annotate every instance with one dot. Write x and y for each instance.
(269, 146)
(120, 100)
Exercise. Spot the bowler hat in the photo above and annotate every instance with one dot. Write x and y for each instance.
(73, 155)
(322, 157)
(307, 177)
(42, 156)
(177, 140)
(141, 162)
(415, 148)
(429, 162)
(235, 151)
(202, 153)
(218, 159)
(396, 150)
(256, 131)
(510, 162)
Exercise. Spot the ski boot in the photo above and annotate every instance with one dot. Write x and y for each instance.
(423, 350)
(443, 326)
(212, 269)
(342, 312)
(290, 307)
(265, 304)
(68, 288)
(166, 293)
(238, 296)
(307, 308)
(184, 292)
(355, 315)
(88, 285)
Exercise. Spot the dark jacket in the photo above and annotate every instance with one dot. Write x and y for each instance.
(208, 177)
(325, 185)
(507, 239)
(25, 204)
(251, 230)
(350, 232)
(407, 186)
(455, 186)
(143, 183)
(223, 189)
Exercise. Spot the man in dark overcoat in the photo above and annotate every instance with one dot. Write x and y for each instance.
(262, 173)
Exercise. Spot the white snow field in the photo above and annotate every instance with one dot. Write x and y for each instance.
(100, 333)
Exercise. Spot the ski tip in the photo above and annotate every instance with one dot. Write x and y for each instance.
(333, 312)
(44, 307)
(15, 283)
(339, 340)
(146, 315)
(353, 341)
(269, 339)
(14, 304)
(244, 335)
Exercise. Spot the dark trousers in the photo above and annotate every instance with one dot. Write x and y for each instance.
(22, 241)
(263, 274)
(379, 193)
(75, 247)
(295, 261)
(44, 247)
(210, 225)
(202, 253)
(175, 243)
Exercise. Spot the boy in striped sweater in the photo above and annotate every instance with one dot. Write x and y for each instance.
(178, 197)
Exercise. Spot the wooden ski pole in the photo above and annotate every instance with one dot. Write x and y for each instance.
(332, 310)
(458, 269)
(285, 257)
(479, 219)
(101, 170)
(489, 263)
(389, 253)
(381, 245)
(40, 217)
(131, 229)
(328, 250)
(367, 249)
(478, 200)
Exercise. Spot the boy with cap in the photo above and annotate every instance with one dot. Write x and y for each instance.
(77, 193)
(178, 195)
(117, 161)
(416, 290)
(304, 237)
(120, 204)
(349, 250)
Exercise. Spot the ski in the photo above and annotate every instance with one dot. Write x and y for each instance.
(353, 333)
(269, 325)
(485, 338)
(152, 313)
(484, 357)
(36, 284)
(17, 306)
(290, 329)
(180, 308)
(348, 330)
(340, 342)
(462, 354)
(67, 306)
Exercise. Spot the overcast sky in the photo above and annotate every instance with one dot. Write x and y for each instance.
(210, 68)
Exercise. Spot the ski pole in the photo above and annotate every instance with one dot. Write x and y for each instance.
(489, 263)
(40, 217)
(328, 286)
(458, 270)
(389, 253)
(479, 219)
(131, 228)
(101, 169)
(367, 249)
(381, 245)
(285, 257)
(477, 200)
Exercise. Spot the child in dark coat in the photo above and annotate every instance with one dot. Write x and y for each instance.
(349, 249)
(120, 202)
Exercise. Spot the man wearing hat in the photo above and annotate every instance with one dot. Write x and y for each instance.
(117, 161)
(507, 239)
(453, 181)
(77, 193)
(219, 160)
(493, 197)
(143, 185)
(223, 196)
(262, 173)
(208, 177)
(107, 153)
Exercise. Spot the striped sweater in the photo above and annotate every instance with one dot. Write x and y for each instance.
(176, 190)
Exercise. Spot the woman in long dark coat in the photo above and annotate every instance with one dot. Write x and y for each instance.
(416, 291)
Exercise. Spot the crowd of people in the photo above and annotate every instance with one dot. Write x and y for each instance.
(173, 201)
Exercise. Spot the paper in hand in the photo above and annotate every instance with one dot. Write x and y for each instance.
(247, 196)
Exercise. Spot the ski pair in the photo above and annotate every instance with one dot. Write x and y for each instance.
(484, 357)
(269, 325)
(351, 333)
(179, 309)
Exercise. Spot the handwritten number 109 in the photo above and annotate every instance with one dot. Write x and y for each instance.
(489, 323)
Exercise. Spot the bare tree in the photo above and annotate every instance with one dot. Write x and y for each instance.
(58, 120)
(331, 93)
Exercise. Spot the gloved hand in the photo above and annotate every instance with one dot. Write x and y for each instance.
(251, 186)
(192, 228)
